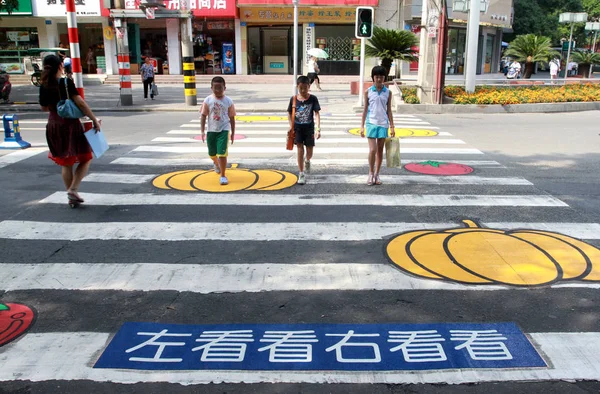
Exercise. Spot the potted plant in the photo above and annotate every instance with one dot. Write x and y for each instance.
(586, 60)
(529, 48)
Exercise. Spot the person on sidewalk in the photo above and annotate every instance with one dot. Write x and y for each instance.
(90, 59)
(554, 69)
(65, 137)
(6, 88)
(220, 111)
(307, 116)
(147, 73)
(377, 114)
(313, 72)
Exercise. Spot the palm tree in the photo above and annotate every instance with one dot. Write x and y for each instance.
(530, 48)
(586, 60)
(389, 45)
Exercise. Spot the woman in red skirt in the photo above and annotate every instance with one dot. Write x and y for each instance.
(65, 136)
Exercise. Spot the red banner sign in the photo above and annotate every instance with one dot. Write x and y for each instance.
(308, 3)
(203, 8)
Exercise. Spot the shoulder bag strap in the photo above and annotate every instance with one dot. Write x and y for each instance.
(294, 110)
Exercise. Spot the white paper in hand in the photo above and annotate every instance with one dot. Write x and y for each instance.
(97, 142)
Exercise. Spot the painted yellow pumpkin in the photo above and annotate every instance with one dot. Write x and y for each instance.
(404, 132)
(239, 179)
(476, 255)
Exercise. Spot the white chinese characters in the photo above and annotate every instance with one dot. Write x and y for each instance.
(482, 345)
(418, 346)
(161, 347)
(289, 346)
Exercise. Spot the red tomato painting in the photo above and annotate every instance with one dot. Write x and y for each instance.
(439, 168)
(15, 320)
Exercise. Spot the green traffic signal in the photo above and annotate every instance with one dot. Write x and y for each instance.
(364, 22)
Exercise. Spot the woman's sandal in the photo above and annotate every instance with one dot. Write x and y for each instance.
(377, 180)
(370, 180)
(73, 196)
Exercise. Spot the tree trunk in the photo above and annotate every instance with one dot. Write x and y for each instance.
(528, 70)
(387, 64)
(584, 70)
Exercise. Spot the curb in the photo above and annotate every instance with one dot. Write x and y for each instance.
(496, 108)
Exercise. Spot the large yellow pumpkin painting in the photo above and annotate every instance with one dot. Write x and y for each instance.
(239, 179)
(475, 255)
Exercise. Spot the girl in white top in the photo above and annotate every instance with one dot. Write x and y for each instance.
(313, 69)
(378, 116)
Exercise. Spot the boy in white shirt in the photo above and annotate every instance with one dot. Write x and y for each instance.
(221, 115)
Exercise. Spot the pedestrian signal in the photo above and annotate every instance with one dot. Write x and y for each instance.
(364, 22)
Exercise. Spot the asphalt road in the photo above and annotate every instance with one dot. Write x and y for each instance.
(300, 255)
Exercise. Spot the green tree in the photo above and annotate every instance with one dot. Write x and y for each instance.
(389, 45)
(8, 5)
(592, 7)
(530, 48)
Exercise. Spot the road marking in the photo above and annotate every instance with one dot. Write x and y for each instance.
(117, 177)
(70, 356)
(292, 161)
(24, 121)
(349, 140)
(280, 131)
(325, 127)
(261, 199)
(332, 117)
(32, 128)
(281, 150)
(324, 124)
(17, 156)
(203, 278)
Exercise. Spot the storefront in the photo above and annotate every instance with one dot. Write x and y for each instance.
(158, 37)
(89, 26)
(17, 34)
(267, 34)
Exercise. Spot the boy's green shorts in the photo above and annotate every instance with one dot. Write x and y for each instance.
(217, 143)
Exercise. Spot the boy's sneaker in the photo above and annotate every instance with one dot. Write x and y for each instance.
(217, 169)
(301, 179)
(224, 180)
(307, 166)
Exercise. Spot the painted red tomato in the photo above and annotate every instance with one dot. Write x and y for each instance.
(15, 320)
(438, 168)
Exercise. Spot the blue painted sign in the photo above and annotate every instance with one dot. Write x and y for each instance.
(333, 347)
(276, 65)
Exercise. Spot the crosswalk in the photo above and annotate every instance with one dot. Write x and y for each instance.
(311, 253)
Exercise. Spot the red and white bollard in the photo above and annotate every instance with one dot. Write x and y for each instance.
(74, 46)
(124, 63)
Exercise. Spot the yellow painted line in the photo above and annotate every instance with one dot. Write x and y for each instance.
(404, 132)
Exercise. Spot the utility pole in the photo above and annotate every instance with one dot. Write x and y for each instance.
(472, 45)
(187, 54)
(126, 95)
(295, 57)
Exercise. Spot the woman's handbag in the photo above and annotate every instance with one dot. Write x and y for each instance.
(154, 89)
(291, 135)
(67, 108)
(392, 152)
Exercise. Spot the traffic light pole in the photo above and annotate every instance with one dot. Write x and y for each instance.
(294, 89)
(362, 73)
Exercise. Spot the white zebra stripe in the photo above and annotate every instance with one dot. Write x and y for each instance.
(117, 177)
(251, 199)
(280, 131)
(15, 157)
(162, 162)
(324, 140)
(69, 356)
(282, 150)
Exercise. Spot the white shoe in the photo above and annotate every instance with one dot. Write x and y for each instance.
(217, 169)
(224, 180)
(301, 179)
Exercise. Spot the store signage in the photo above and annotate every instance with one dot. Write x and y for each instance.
(205, 8)
(46, 8)
(320, 347)
(305, 15)
(312, 3)
(18, 35)
(23, 8)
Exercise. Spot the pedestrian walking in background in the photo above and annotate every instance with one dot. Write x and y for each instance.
(6, 87)
(65, 137)
(306, 117)
(313, 72)
(147, 73)
(90, 59)
(377, 114)
(554, 69)
(220, 112)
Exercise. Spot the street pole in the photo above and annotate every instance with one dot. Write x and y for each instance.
(125, 91)
(74, 46)
(362, 73)
(295, 47)
(594, 46)
(569, 53)
(472, 44)
(187, 55)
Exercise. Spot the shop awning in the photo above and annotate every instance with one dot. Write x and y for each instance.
(310, 3)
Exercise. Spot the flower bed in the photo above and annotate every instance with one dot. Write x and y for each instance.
(409, 95)
(525, 95)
